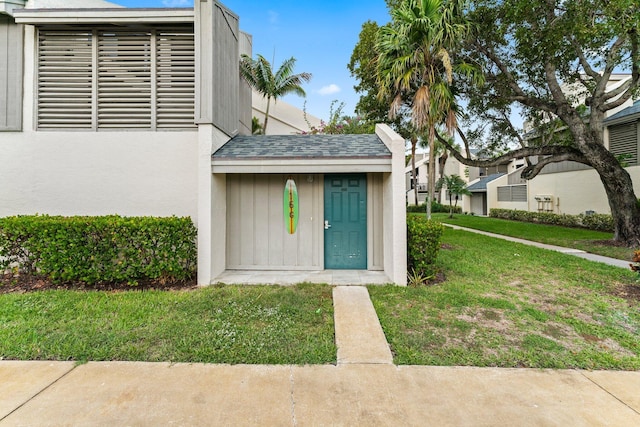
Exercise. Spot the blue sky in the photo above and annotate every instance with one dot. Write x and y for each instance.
(320, 34)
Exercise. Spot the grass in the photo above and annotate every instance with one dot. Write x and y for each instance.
(229, 324)
(586, 240)
(510, 305)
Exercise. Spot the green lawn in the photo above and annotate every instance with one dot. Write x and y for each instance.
(230, 324)
(586, 240)
(510, 305)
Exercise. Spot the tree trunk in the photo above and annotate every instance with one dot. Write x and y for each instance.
(414, 142)
(442, 162)
(266, 116)
(622, 202)
(624, 205)
(432, 174)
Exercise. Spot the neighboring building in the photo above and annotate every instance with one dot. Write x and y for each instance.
(475, 176)
(477, 203)
(570, 187)
(452, 167)
(284, 118)
(109, 110)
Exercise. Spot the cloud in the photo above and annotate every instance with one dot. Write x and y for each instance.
(273, 17)
(329, 90)
(177, 3)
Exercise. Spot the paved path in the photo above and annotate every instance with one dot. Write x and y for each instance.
(363, 389)
(575, 252)
(160, 394)
(359, 336)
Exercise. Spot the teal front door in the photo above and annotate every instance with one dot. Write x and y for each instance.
(345, 222)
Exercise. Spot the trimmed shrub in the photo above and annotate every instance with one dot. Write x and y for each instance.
(105, 249)
(423, 244)
(435, 208)
(598, 222)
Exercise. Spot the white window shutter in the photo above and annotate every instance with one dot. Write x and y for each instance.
(64, 79)
(175, 80)
(124, 79)
(116, 78)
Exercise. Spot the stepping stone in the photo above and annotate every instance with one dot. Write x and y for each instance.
(359, 336)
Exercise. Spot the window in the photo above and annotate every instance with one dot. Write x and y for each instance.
(623, 142)
(512, 193)
(116, 78)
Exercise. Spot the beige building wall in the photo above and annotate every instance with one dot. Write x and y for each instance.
(573, 192)
(284, 118)
(492, 196)
(94, 173)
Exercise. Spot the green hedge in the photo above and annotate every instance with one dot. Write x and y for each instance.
(104, 249)
(598, 222)
(423, 244)
(435, 208)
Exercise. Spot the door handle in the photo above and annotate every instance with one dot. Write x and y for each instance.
(326, 225)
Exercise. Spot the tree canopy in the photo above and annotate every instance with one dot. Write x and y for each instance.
(549, 62)
(260, 76)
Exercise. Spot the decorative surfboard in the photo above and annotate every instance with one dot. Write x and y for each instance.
(290, 206)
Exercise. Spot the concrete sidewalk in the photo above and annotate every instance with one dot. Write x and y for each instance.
(570, 251)
(157, 394)
(363, 389)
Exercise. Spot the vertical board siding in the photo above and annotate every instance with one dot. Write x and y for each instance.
(226, 70)
(376, 227)
(11, 62)
(246, 47)
(256, 233)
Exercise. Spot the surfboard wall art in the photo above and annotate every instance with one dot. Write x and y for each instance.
(290, 206)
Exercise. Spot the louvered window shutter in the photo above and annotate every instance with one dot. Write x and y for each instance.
(124, 79)
(175, 79)
(65, 79)
(623, 140)
(116, 78)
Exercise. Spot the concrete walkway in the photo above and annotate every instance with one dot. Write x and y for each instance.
(161, 394)
(363, 389)
(575, 252)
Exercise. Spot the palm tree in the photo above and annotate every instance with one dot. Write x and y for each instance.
(414, 66)
(259, 75)
(455, 186)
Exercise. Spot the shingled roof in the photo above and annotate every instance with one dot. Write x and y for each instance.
(282, 147)
(627, 112)
(481, 185)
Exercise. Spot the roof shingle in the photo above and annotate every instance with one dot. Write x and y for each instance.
(481, 185)
(256, 147)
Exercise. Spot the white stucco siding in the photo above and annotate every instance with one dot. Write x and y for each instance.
(99, 173)
(578, 191)
(492, 196)
(573, 192)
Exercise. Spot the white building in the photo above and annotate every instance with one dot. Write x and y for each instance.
(141, 112)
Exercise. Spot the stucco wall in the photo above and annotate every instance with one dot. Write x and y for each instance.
(576, 192)
(573, 192)
(492, 196)
(99, 173)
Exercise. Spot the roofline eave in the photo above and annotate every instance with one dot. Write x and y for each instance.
(102, 16)
(309, 166)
